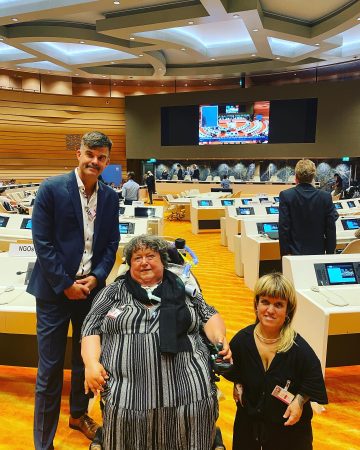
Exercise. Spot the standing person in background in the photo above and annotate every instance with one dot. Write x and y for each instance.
(196, 173)
(179, 172)
(76, 236)
(225, 182)
(276, 374)
(150, 183)
(130, 189)
(338, 185)
(307, 216)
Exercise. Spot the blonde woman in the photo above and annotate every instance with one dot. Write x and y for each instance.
(276, 374)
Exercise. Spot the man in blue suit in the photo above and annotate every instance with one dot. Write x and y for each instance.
(75, 225)
(307, 216)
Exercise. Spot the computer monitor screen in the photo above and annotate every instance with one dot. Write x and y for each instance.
(246, 201)
(351, 204)
(227, 202)
(26, 224)
(205, 203)
(272, 210)
(338, 205)
(244, 211)
(350, 224)
(267, 227)
(341, 273)
(3, 221)
(263, 199)
(124, 228)
(121, 210)
(140, 211)
(276, 199)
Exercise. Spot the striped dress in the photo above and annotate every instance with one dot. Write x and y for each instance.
(153, 401)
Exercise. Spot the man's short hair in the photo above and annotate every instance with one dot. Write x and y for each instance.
(305, 171)
(131, 175)
(96, 139)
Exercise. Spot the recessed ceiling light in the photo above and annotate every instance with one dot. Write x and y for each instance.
(141, 54)
(212, 59)
(254, 54)
(294, 74)
(191, 22)
(18, 68)
(114, 84)
(204, 81)
(209, 84)
(317, 45)
(122, 81)
(14, 19)
(82, 42)
(162, 85)
(104, 76)
(89, 82)
(278, 57)
(116, 2)
(132, 38)
(77, 74)
(183, 49)
(358, 18)
(1, 39)
(255, 30)
(112, 62)
(185, 84)
(235, 16)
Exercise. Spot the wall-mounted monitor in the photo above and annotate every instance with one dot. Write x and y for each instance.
(227, 202)
(3, 221)
(351, 204)
(338, 205)
(350, 224)
(140, 211)
(26, 224)
(205, 203)
(246, 123)
(272, 210)
(245, 211)
(341, 273)
(126, 227)
(246, 201)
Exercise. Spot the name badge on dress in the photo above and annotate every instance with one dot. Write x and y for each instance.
(115, 312)
(283, 394)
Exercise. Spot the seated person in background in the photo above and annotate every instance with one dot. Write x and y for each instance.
(5, 201)
(179, 172)
(196, 173)
(143, 350)
(338, 185)
(165, 175)
(276, 374)
(225, 182)
(130, 189)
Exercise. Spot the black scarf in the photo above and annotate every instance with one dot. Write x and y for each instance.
(174, 319)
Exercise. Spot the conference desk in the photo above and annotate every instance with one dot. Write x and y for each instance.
(164, 187)
(327, 316)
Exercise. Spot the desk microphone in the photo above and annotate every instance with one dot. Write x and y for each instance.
(20, 273)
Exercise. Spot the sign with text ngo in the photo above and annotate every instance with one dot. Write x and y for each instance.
(22, 250)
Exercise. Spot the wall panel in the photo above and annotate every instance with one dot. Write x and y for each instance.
(34, 128)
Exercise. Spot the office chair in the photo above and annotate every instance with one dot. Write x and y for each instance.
(352, 247)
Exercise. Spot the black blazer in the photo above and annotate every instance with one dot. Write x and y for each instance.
(307, 219)
(58, 235)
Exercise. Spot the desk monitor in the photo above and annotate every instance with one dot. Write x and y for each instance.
(351, 204)
(227, 202)
(341, 273)
(141, 211)
(26, 224)
(338, 205)
(263, 199)
(271, 229)
(245, 211)
(350, 224)
(276, 199)
(121, 210)
(3, 221)
(246, 201)
(205, 203)
(126, 227)
(272, 210)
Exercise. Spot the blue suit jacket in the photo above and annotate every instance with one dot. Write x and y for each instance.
(58, 235)
(306, 221)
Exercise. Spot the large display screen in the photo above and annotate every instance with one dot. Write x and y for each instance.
(341, 273)
(244, 211)
(205, 203)
(26, 224)
(350, 224)
(140, 211)
(3, 221)
(234, 124)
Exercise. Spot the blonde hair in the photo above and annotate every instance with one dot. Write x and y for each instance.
(275, 285)
(305, 171)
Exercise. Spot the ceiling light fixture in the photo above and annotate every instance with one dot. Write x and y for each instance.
(141, 55)
(191, 22)
(112, 62)
(278, 57)
(212, 59)
(104, 76)
(132, 38)
(185, 84)
(82, 42)
(358, 18)
(317, 45)
(254, 54)
(116, 2)
(183, 49)
(14, 19)
(89, 82)
(235, 16)
(255, 30)
(1, 39)
(209, 84)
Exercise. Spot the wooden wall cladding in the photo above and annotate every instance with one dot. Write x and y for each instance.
(35, 128)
